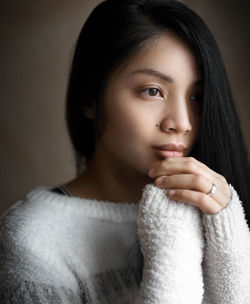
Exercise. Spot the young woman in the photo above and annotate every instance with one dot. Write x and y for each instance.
(159, 210)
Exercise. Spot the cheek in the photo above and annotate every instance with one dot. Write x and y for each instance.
(196, 124)
(127, 119)
(194, 115)
(123, 137)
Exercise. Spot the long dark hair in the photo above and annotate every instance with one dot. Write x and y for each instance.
(117, 30)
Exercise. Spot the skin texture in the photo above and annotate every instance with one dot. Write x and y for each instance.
(134, 104)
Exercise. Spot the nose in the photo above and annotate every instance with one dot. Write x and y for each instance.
(176, 118)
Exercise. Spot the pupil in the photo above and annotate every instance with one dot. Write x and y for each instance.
(153, 91)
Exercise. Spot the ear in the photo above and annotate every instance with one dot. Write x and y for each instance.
(89, 110)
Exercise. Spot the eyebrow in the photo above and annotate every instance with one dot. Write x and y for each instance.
(161, 76)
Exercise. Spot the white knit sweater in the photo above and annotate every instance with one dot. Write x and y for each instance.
(59, 249)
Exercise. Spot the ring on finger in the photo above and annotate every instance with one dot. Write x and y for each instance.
(212, 190)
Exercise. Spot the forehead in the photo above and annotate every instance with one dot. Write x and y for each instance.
(168, 54)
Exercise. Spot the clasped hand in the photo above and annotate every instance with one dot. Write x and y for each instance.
(190, 181)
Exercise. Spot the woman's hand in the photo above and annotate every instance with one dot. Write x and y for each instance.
(190, 181)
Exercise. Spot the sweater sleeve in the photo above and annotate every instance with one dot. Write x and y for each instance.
(226, 265)
(171, 239)
(28, 292)
(24, 278)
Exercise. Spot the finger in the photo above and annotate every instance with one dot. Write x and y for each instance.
(195, 182)
(175, 165)
(206, 203)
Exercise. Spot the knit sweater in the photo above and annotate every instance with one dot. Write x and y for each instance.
(70, 250)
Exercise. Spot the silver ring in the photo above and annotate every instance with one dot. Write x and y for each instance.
(211, 192)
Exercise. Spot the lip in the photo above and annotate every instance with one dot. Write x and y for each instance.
(171, 147)
(166, 153)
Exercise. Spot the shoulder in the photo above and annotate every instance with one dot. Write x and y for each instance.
(32, 215)
(41, 209)
(42, 218)
(30, 233)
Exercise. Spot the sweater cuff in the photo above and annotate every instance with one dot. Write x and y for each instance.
(156, 200)
(229, 224)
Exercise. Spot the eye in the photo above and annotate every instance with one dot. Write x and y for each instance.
(196, 97)
(152, 91)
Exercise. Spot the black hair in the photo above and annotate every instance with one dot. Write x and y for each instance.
(117, 30)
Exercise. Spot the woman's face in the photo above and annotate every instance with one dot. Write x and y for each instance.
(161, 86)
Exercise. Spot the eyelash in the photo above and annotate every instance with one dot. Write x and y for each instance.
(150, 88)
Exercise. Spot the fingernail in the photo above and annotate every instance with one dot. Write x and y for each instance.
(159, 181)
(171, 192)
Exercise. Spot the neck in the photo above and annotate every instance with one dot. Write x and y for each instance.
(106, 180)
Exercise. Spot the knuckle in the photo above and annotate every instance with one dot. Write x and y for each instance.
(198, 179)
(190, 165)
(203, 200)
(222, 178)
